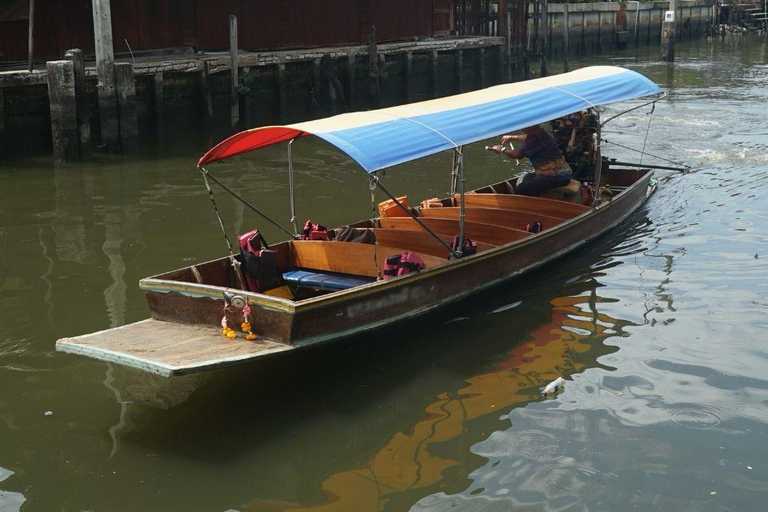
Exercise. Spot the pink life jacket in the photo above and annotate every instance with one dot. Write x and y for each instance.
(314, 232)
(534, 227)
(401, 264)
(259, 264)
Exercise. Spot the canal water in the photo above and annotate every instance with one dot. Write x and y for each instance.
(659, 329)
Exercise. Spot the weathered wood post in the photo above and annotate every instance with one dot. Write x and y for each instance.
(126, 105)
(83, 119)
(31, 45)
(351, 79)
(483, 62)
(233, 66)
(373, 68)
(159, 86)
(316, 89)
(205, 92)
(508, 46)
(63, 104)
(566, 26)
(433, 72)
(459, 63)
(408, 81)
(105, 72)
(600, 31)
(282, 93)
(544, 47)
(2, 121)
(668, 34)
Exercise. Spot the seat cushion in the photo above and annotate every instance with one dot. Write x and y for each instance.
(324, 280)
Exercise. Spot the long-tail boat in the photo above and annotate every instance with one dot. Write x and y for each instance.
(314, 288)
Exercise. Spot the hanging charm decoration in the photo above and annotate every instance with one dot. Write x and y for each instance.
(225, 329)
(246, 325)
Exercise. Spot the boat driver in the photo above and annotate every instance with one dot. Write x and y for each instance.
(551, 169)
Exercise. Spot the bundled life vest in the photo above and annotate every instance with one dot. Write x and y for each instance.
(533, 227)
(314, 232)
(350, 234)
(259, 263)
(401, 264)
(469, 248)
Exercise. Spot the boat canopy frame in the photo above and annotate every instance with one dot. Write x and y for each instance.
(382, 138)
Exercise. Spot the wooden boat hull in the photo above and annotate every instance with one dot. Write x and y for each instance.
(186, 315)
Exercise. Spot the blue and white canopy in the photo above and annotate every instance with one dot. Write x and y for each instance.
(378, 139)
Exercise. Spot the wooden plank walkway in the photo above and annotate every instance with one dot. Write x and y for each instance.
(168, 349)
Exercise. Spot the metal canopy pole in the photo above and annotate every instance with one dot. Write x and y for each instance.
(454, 173)
(599, 159)
(460, 158)
(291, 190)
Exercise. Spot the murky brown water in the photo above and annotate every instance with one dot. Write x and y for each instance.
(659, 329)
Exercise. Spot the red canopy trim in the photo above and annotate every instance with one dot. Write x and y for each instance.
(248, 141)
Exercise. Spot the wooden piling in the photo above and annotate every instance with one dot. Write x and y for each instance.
(159, 85)
(408, 79)
(508, 47)
(566, 27)
(583, 42)
(282, 93)
(63, 105)
(2, 121)
(373, 69)
(483, 62)
(316, 88)
(668, 35)
(105, 72)
(433, 72)
(544, 47)
(83, 119)
(233, 65)
(600, 31)
(31, 32)
(126, 105)
(205, 92)
(459, 69)
(351, 80)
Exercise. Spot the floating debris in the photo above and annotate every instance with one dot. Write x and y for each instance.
(48, 413)
(554, 388)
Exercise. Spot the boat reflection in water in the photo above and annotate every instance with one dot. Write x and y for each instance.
(429, 456)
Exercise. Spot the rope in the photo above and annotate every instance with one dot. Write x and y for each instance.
(241, 199)
(290, 189)
(233, 261)
(375, 219)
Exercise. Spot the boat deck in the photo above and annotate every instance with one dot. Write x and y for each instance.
(168, 349)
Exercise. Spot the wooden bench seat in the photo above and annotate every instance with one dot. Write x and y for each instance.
(347, 257)
(419, 241)
(486, 233)
(537, 205)
(494, 216)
